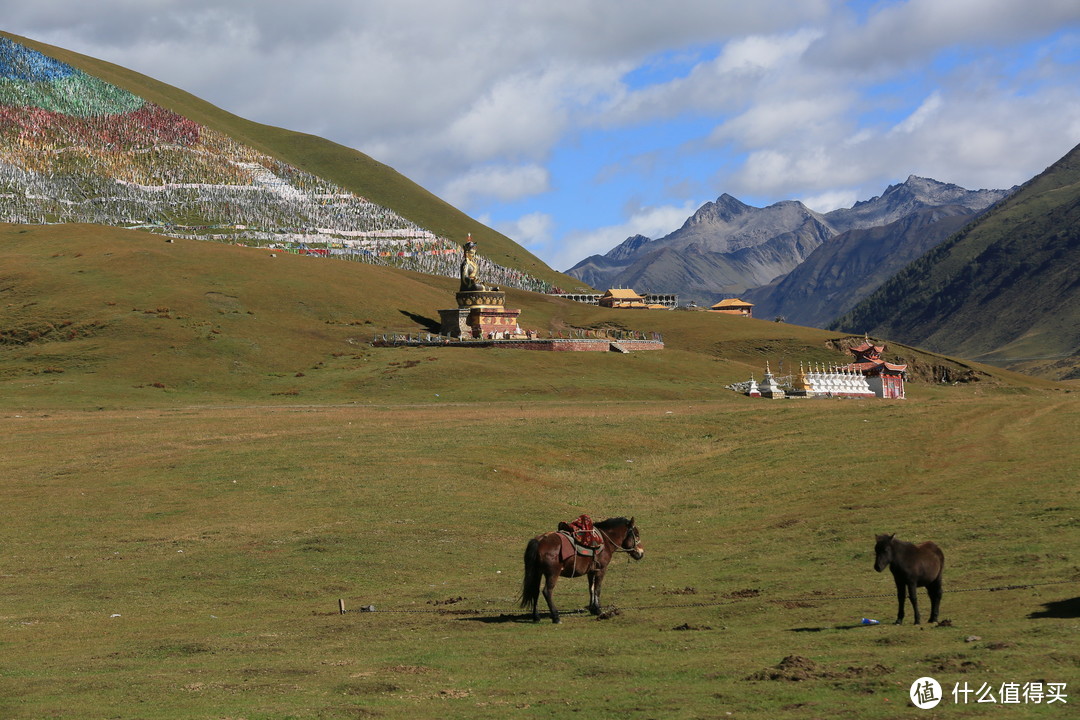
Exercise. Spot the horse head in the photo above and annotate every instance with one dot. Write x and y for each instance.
(883, 551)
(632, 541)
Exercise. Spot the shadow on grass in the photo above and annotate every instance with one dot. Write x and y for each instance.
(499, 619)
(425, 322)
(522, 618)
(828, 627)
(1061, 609)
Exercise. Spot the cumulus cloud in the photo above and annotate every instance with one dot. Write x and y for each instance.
(490, 102)
(501, 182)
(652, 222)
(903, 33)
(534, 231)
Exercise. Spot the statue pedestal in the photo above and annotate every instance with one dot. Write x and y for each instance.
(481, 298)
(480, 314)
(455, 322)
(486, 322)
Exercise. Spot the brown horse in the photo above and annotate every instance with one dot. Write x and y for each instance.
(913, 566)
(542, 560)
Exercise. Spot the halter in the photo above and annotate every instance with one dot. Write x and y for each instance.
(619, 548)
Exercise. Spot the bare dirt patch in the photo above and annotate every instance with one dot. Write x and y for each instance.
(796, 668)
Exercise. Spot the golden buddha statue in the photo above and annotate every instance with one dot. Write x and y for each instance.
(470, 281)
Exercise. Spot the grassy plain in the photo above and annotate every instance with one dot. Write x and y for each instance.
(201, 455)
(187, 562)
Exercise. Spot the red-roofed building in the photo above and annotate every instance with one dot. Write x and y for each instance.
(885, 379)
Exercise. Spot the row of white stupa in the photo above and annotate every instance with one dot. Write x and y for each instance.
(819, 380)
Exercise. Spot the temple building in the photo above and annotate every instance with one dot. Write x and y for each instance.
(868, 376)
(884, 378)
(622, 298)
(734, 306)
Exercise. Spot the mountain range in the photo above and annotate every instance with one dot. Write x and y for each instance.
(728, 247)
(1004, 289)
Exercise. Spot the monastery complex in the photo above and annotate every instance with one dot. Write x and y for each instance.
(867, 376)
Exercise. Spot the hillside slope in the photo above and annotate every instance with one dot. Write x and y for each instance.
(93, 315)
(1005, 290)
(848, 267)
(327, 161)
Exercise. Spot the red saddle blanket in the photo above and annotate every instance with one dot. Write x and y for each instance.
(583, 534)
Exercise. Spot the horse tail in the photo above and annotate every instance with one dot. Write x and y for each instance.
(530, 584)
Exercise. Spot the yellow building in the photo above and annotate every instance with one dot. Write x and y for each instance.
(734, 306)
(622, 298)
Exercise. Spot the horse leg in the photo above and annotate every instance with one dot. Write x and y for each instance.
(913, 594)
(901, 592)
(596, 578)
(934, 589)
(549, 591)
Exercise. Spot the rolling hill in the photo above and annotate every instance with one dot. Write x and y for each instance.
(91, 314)
(1004, 290)
(86, 141)
(106, 312)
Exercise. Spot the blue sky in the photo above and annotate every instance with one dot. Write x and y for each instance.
(570, 126)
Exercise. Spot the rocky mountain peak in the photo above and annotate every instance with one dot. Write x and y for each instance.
(724, 210)
(628, 247)
(914, 194)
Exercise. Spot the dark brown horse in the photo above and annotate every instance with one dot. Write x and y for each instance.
(542, 561)
(913, 566)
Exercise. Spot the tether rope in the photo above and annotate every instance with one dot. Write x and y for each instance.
(710, 603)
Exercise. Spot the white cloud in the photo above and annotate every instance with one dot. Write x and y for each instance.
(922, 115)
(652, 222)
(533, 231)
(776, 119)
(475, 97)
(910, 32)
(500, 182)
(831, 200)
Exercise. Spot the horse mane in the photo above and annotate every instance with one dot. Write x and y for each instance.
(612, 522)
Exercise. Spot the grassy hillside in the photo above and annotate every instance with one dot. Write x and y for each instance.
(343, 166)
(1003, 290)
(92, 315)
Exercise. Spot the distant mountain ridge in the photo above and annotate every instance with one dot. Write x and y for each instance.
(1005, 289)
(728, 247)
(851, 265)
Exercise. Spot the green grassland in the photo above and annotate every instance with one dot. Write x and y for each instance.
(202, 455)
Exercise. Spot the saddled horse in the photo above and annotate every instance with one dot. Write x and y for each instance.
(913, 566)
(542, 560)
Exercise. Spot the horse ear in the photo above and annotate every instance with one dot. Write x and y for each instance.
(631, 522)
(893, 536)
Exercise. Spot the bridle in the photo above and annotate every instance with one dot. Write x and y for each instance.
(631, 531)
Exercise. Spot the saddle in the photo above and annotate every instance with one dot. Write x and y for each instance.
(579, 537)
